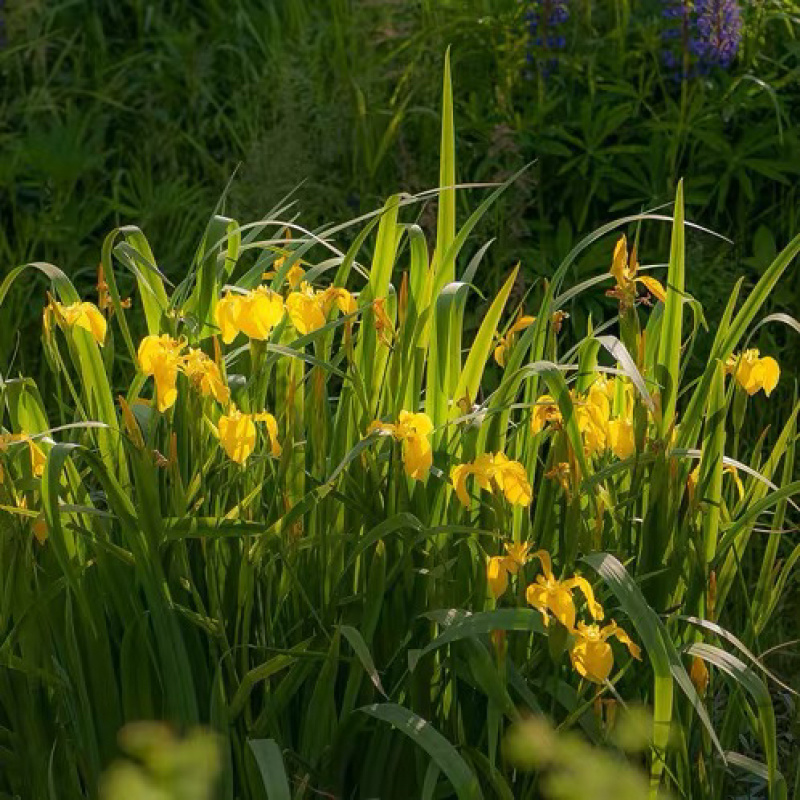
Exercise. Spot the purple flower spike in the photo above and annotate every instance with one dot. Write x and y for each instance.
(719, 28)
(544, 18)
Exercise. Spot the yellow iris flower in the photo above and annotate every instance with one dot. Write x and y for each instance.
(505, 343)
(309, 309)
(591, 654)
(341, 298)
(551, 595)
(237, 434)
(160, 356)
(493, 471)
(413, 431)
(624, 268)
(753, 372)
(294, 276)
(545, 412)
(254, 314)
(305, 310)
(79, 315)
(205, 376)
(498, 568)
(38, 457)
(591, 418)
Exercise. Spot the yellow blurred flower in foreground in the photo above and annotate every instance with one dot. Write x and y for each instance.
(160, 356)
(79, 315)
(237, 434)
(413, 431)
(205, 376)
(591, 654)
(548, 594)
(254, 314)
(492, 471)
(625, 270)
(753, 372)
(498, 568)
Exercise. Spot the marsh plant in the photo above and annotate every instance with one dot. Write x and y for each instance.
(293, 499)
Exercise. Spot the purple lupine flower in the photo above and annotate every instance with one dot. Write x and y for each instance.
(677, 38)
(719, 29)
(699, 35)
(544, 17)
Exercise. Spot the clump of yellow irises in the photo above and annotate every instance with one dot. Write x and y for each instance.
(257, 312)
(601, 429)
(590, 653)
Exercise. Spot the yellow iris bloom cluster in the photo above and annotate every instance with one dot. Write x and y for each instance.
(257, 312)
(494, 471)
(601, 430)
(590, 653)
(163, 357)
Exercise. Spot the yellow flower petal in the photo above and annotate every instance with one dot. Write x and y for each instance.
(497, 576)
(225, 315)
(204, 374)
(237, 435)
(459, 475)
(272, 431)
(771, 372)
(306, 312)
(592, 660)
(595, 609)
(417, 456)
(654, 287)
(82, 315)
(619, 262)
(621, 438)
(545, 412)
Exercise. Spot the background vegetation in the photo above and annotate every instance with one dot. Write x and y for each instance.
(113, 112)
